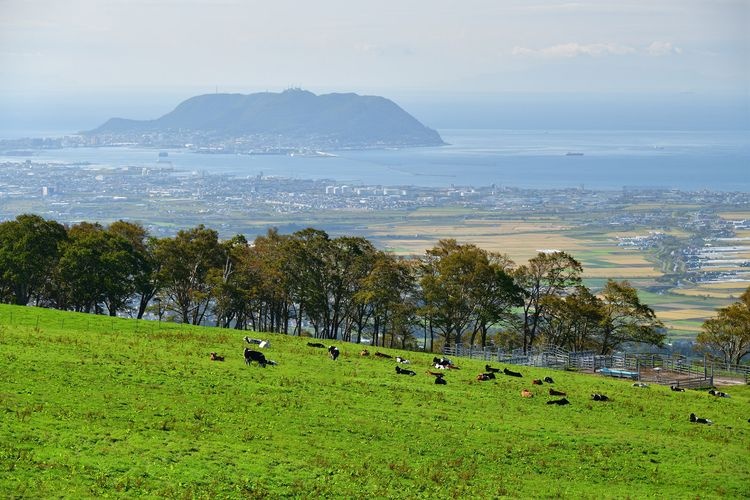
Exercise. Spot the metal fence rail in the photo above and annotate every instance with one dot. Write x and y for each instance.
(657, 368)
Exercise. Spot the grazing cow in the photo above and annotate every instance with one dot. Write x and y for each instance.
(719, 394)
(561, 402)
(382, 355)
(549, 380)
(526, 394)
(441, 381)
(216, 357)
(511, 373)
(553, 392)
(641, 385)
(489, 369)
(537, 382)
(316, 344)
(676, 389)
(403, 361)
(698, 420)
(364, 352)
(486, 376)
(256, 356)
(599, 397)
(401, 371)
(333, 352)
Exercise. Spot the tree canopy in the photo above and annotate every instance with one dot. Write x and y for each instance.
(310, 283)
(728, 333)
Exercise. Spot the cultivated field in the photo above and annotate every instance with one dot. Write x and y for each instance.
(94, 406)
(597, 251)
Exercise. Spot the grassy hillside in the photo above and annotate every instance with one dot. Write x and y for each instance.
(93, 406)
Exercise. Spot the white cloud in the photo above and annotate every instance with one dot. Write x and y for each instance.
(573, 49)
(659, 48)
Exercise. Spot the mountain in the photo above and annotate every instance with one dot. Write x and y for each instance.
(292, 117)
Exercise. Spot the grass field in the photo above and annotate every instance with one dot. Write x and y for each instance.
(94, 406)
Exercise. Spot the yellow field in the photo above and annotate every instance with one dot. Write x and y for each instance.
(620, 272)
(699, 292)
(520, 240)
(683, 314)
(734, 215)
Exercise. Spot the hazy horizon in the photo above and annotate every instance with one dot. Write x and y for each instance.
(668, 64)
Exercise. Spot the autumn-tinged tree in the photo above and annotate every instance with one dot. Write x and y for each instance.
(626, 319)
(461, 286)
(386, 296)
(495, 296)
(188, 261)
(546, 275)
(233, 284)
(271, 269)
(573, 321)
(29, 252)
(729, 331)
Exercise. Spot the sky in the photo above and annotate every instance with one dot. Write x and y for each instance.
(140, 58)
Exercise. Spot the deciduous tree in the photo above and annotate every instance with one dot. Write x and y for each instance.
(546, 275)
(729, 332)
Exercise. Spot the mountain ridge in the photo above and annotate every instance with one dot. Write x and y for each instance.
(344, 119)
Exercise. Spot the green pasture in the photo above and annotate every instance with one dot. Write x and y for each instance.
(93, 406)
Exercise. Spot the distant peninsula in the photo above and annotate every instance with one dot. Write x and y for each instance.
(269, 122)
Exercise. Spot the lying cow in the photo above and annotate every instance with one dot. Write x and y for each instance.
(485, 376)
(536, 381)
(489, 369)
(403, 361)
(216, 357)
(526, 394)
(256, 356)
(549, 380)
(553, 392)
(333, 352)
(260, 343)
(364, 352)
(560, 402)
(316, 344)
(401, 371)
(699, 420)
(382, 355)
(443, 362)
(599, 397)
(441, 381)
(676, 389)
(511, 373)
(719, 394)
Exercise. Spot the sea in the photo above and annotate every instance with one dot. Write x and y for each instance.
(533, 159)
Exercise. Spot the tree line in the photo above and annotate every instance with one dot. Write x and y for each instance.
(310, 283)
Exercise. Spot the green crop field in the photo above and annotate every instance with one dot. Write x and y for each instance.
(93, 406)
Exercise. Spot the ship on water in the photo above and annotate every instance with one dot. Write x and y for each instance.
(573, 153)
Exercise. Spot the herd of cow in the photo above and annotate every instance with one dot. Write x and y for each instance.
(444, 364)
